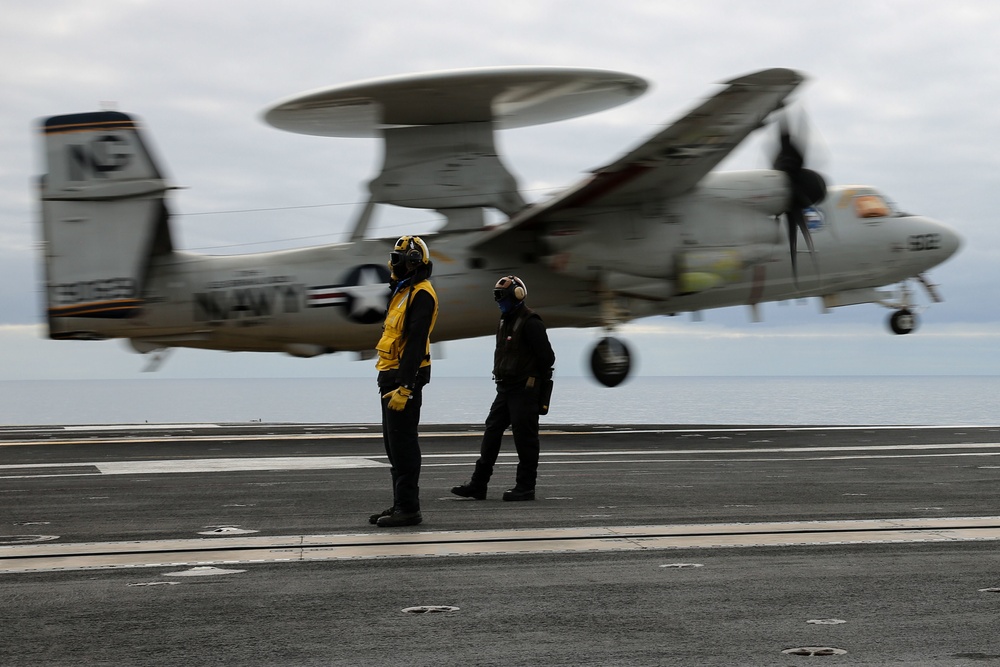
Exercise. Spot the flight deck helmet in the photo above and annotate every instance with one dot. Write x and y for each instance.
(509, 293)
(409, 253)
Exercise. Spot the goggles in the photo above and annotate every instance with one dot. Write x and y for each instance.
(411, 257)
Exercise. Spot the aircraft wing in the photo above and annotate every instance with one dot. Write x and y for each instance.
(675, 159)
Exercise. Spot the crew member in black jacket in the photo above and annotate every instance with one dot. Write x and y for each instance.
(522, 364)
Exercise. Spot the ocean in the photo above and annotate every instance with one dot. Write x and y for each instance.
(897, 400)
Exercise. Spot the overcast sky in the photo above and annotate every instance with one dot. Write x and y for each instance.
(902, 95)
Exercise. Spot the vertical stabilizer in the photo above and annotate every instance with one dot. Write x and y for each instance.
(103, 218)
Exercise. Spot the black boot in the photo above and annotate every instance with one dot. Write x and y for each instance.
(373, 519)
(397, 519)
(470, 490)
(517, 493)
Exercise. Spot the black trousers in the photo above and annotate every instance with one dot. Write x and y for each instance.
(517, 409)
(399, 434)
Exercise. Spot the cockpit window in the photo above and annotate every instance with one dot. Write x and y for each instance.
(897, 212)
(871, 206)
(868, 203)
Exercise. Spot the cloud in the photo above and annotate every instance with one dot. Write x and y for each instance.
(903, 99)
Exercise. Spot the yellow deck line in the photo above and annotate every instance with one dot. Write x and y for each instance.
(53, 556)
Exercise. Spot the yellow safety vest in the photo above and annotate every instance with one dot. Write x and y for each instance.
(390, 347)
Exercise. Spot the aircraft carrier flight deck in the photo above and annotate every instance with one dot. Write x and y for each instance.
(249, 544)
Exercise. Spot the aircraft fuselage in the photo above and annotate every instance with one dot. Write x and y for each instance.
(700, 251)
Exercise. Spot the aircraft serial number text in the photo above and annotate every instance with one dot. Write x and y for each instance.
(94, 290)
(924, 242)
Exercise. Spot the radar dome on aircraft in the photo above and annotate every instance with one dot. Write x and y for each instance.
(509, 96)
(431, 122)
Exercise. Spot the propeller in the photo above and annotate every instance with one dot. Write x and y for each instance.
(807, 186)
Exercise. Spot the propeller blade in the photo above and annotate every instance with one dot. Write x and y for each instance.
(793, 240)
(797, 223)
(807, 187)
(789, 158)
(806, 234)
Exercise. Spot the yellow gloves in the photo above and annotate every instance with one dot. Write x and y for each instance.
(398, 398)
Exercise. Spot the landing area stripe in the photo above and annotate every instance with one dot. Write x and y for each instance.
(51, 556)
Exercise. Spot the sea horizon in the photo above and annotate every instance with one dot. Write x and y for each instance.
(737, 400)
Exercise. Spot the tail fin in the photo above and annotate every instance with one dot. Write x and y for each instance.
(103, 218)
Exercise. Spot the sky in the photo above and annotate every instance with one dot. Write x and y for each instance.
(901, 95)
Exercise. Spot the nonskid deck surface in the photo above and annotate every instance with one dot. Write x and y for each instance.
(647, 544)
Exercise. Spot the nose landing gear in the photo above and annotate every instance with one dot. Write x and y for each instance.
(904, 320)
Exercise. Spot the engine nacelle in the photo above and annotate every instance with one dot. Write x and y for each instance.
(702, 269)
(712, 235)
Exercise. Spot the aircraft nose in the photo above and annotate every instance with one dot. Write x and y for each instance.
(930, 243)
(950, 240)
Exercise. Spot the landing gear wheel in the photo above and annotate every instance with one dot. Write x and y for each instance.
(903, 321)
(610, 362)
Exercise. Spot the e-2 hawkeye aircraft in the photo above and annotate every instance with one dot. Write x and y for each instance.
(653, 232)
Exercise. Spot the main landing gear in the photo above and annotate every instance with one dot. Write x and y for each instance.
(903, 321)
(610, 361)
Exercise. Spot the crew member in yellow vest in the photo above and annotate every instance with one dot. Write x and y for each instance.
(404, 367)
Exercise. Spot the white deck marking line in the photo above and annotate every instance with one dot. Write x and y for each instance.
(195, 465)
(756, 450)
(782, 429)
(42, 557)
(458, 434)
(138, 427)
(23, 470)
(229, 465)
